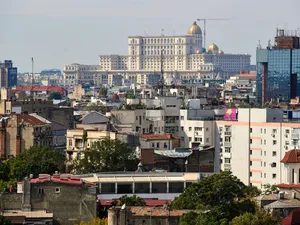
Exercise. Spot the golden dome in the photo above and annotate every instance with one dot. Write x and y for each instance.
(213, 47)
(194, 29)
(221, 52)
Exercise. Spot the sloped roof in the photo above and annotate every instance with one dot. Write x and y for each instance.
(41, 88)
(292, 156)
(29, 119)
(159, 136)
(283, 204)
(94, 118)
(146, 211)
(293, 218)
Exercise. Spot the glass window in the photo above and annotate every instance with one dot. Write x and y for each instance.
(159, 187)
(142, 187)
(107, 188)
(176, 187)
(124, 188)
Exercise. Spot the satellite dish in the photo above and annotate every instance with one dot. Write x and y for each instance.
(123, 206)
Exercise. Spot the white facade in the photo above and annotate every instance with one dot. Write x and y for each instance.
(253, 150)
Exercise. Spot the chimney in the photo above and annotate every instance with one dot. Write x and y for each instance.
(26, 206)
(294, 195)
(281, 195)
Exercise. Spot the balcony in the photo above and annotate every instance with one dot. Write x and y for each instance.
(227, 133)
(227, 144)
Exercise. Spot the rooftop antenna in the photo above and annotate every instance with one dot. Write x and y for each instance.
(173, 32)
(162, 32)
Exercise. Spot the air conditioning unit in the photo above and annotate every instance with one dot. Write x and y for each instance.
(286, 147)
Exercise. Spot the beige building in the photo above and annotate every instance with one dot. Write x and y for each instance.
(159, 141)
(20, 132)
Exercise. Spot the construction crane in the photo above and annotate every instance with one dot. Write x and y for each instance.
(204, 28)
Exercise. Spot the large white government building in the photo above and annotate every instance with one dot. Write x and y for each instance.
(183, 57)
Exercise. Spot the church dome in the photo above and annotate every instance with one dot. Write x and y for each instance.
(221, 52)
(194, 29)
(213, 47)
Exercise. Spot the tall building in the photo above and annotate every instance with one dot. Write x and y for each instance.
(252, 142)
(8, 74)
(183, 57)
(278, 69)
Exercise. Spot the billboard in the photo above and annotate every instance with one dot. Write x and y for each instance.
(230, 114)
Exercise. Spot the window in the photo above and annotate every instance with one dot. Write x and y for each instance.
(250, 130)
(274, 142)
(57, 190)
(41, 190)
(250, 163)
(250, 174)
(190, 128)
(265, 176)
(227, 150)
(264, 164)
(250, 152)
(190, 139)
(274, 131)
(182, 117)
(152, 145)
(182, 128)
(165, 145)
(274, 175)
(207, 140)
(70, 142)
(206, 129)
(287, 131)
(227, 160)
(274, 153)
(264, 130)
(250, 141)
(265, 142)
(157, 144)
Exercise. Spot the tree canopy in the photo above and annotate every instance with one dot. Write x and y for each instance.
(106, 156)
(55, 95)
(35, 160)
(130, 201)
(222, 194)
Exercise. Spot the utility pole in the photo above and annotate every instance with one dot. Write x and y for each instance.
(32, 79)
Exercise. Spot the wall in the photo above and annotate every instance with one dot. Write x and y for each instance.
(72, 205)
(11, 201)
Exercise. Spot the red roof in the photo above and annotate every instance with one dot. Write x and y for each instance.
(159, 136)
(288, 186)
(64, 178)
(293, 218)
(148, 202)
(292, 156)
(47, 89)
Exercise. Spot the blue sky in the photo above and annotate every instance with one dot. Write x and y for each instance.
(59, 32)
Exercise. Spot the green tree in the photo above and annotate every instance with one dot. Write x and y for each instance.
(105, 156)
(222, 194)
(130, 201)
(36, 160)
(4, 221)
(260, 217)
(270, 189)
(55, 95)
(201, 219)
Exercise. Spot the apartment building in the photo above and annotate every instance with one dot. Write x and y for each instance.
(252, 143)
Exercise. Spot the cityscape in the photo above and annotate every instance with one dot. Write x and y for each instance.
(176, 130)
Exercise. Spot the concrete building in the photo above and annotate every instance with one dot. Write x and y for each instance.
(78, 140)
(63, 198)
(182, 57)
(8, 74)
(251, 143)
(20, 132)
(147, 185)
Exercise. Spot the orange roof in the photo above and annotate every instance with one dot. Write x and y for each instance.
(292, 156)
(166, 136)
(248, 76)
(61, 90)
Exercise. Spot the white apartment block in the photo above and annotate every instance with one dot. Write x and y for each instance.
(182, 56)
(253, 146)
